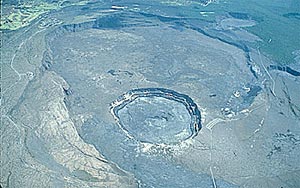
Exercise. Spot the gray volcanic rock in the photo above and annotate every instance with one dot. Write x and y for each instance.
(68, 118)
(52, 144)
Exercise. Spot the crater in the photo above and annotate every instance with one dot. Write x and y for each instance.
(157, 115)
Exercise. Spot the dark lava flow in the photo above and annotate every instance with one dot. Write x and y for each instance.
(285, 69)
(132, 95)
(154, 166)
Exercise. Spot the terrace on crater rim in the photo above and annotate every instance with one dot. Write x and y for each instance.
(157, 115)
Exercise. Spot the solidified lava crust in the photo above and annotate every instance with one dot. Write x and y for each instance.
(132, 95)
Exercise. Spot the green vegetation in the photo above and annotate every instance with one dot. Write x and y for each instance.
(21, 15)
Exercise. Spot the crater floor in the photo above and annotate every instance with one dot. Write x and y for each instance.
(157, 115)
(141, 95)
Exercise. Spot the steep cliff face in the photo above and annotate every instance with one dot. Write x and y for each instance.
(61, 74)
(50, 142)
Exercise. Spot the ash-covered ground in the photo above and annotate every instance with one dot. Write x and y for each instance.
(62, 74)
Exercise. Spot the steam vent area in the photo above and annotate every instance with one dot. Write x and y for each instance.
(160, 94)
